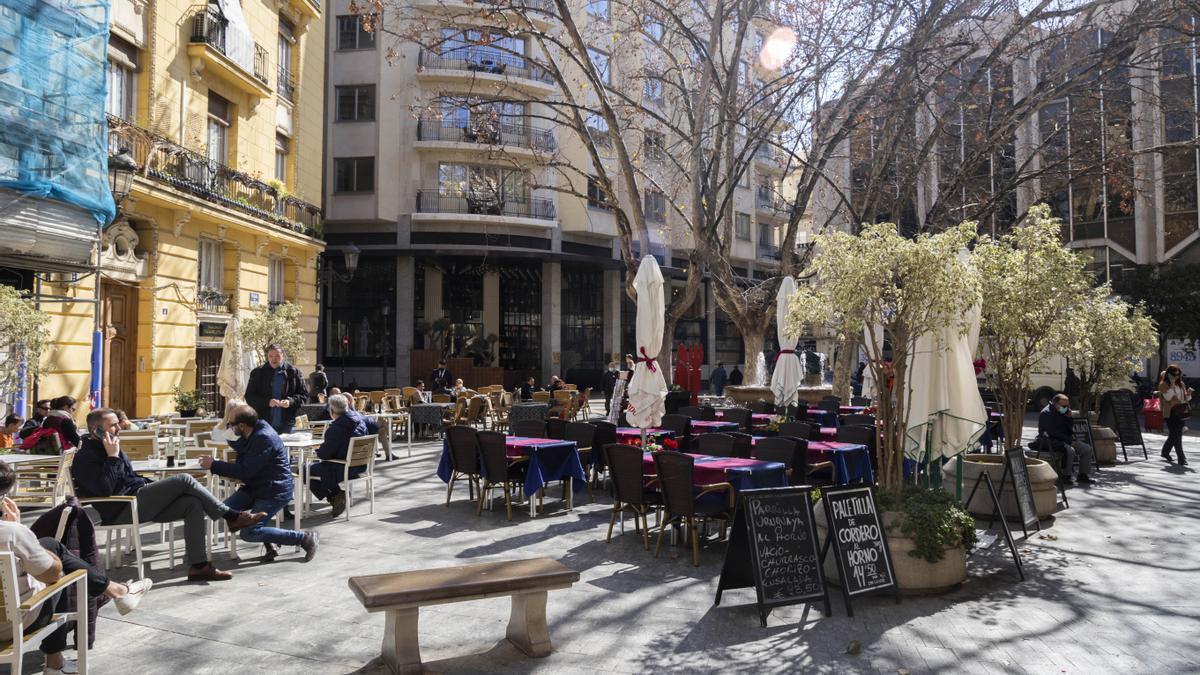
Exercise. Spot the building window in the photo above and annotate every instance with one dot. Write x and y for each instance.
(275, 281)
(520, 318)
(483, 50)
(122, 79)
(462, 301)
(652, 89)
(361, 317)
(741, 226)
(483, 184)
(654, 145)
(757, 44)
(210, 263)
(600, 62)
(598, 9)
(356, 103)
(656, 207)
(765, 238)
(352, 35)
(655, 31)
(582, 322)
(353, 174)
(597, 195)
(281, 155)
(597, 129)
(744, 178)
(285, 83)
(219, 121)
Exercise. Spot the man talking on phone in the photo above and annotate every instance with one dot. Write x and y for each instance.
(100, 469)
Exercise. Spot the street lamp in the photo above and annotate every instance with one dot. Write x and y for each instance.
(121, 168)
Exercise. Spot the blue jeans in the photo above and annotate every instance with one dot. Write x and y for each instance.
(260, 532)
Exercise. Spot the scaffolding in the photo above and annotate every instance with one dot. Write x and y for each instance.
(53, 130)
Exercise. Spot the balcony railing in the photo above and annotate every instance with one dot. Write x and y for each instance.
(195, 174)
(209, 27)
(769, 202)
(766, 153)
(768, 252)
(486, 132)
(212, 300)
(285, 84)
(490, 61)
(545, 6)
(514, 206)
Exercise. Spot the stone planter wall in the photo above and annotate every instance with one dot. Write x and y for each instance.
(1041, 477)
(1105, 444)
(915, 576)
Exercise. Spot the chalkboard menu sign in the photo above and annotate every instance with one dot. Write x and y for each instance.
(859, 541)
(1118, 413)
(773, 547)
(1016, 470)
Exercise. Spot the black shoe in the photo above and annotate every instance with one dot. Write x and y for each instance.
(337, 504)
(272, 552)
(309, 544)
(1166, 454)
(1182, 461)
(1086, 479)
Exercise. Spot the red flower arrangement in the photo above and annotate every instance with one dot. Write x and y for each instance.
(670, 444)
(979, 364)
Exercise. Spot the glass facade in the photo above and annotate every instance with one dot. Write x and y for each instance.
(583, 323)
(360, 315)
(521, 318)
(462, 303)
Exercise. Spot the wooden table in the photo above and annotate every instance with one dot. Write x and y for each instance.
(17, 460)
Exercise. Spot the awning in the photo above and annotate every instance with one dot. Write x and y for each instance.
(45, 234)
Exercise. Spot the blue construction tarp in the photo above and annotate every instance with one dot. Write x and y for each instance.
(53, 130)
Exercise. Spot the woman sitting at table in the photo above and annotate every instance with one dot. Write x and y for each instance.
(61, 419)
(458, 389)
(556, 384)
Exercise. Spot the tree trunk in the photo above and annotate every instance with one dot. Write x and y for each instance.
(845, 360)
(753, 337)
(666, 351)
(1012, 405)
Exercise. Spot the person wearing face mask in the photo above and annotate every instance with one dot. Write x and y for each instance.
(1176, 399)
(1054, 424)
(265, 471)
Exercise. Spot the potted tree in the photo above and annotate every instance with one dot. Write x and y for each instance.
(23, 336)
(897, 289)
(279, 325)
(188, 402)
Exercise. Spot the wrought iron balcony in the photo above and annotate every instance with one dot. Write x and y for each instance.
(480, 61)
(544, 6)
(209, 27)
(769, 252)
(212, 300)
(486, 132)
(768, 202)
(197, 175)
(285, 84)
(512, 206)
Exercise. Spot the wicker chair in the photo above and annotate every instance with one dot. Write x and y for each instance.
(529, 428)
(708, 413)
(682, 499)
(476, 411)
(584, 403)
(464, 459)
(629, 491)
(606, 435)
(541, 397)
(691, 411)
(681, 425)
(497, 414)
(498, 470)
(584, 436)
(859, 420)
(803, 430)
(556, 428)
(860, 400)
(441, 398)
(743, 444)
(790, 452)
(717, 445)
(741, 416)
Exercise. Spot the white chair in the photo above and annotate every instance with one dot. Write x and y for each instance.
(360, 453)
(132, 530)
(16, 644)
(44, 484)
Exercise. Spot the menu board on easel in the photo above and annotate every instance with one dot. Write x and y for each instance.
(618, 395)
(773, 547)
(1118, 413)
(858, 540)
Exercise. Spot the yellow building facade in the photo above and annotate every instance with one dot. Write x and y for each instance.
(223, 217)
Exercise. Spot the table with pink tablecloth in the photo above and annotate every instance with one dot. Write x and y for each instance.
(743, 474)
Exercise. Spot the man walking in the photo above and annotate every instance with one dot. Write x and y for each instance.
(717, 379)
(1054, 423)
(318, 382)
(265, 471)
(609, 383)
(276, 391)
(100, 469)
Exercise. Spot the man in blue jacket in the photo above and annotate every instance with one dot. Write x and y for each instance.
(327, 475)
(264, 468)
(1054, 423)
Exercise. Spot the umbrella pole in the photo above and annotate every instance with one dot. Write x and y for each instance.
(958, 475)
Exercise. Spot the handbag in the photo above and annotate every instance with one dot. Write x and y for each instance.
(1181, 411)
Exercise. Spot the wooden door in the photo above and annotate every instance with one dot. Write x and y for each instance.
(118, 322)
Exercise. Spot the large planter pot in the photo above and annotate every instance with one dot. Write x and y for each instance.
(914, 576)
(1041, 478)
(1105, 444)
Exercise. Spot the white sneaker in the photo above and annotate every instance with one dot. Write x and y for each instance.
(69, 668)
(129, 602)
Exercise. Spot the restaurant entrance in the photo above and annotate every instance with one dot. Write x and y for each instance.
(118, 325)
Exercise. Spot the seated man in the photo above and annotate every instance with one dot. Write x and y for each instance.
(44, 561)
(100, 469)
(326, 475)
(1054, 423)
(527, 389)
(265, 470)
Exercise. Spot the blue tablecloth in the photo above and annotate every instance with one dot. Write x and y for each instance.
(851, 461)
(549, 460)
(758, 474)
(825, 417)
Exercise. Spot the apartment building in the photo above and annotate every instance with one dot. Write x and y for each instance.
(443, 169)
(220, 107)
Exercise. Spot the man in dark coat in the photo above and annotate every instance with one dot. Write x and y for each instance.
(717, 379)
(265, 470)
(276, 391)
(609, 383)
(100, 469)
(326, 475)
(441, 379)
(1054, 424)
(735, 378)
(318, 382)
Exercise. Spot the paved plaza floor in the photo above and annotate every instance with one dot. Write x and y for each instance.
(1111, 587)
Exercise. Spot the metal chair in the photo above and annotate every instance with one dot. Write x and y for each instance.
(682, 499)
(464, 459)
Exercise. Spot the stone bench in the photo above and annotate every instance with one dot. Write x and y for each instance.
(401, 595)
